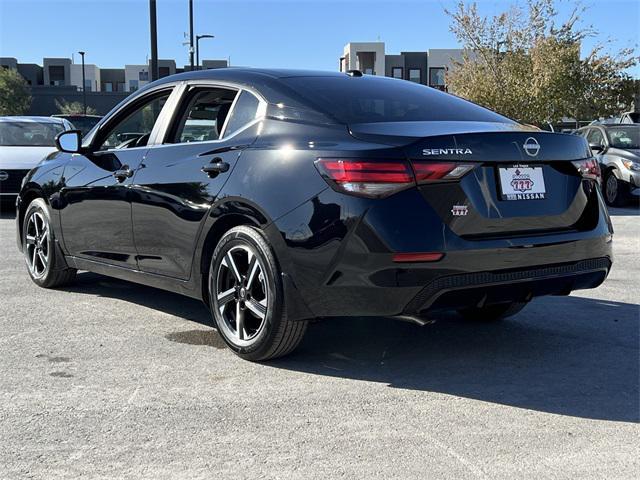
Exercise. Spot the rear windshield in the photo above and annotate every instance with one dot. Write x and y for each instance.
(29, 134)
(378, 99)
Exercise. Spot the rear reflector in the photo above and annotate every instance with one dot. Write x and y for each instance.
(378, 179)
(417, 257)
(588, 168)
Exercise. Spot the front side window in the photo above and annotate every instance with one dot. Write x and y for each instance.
(135, 128)
(244, 111)
(204, 115)
(29, 134)
(595, 137)
(415, 75)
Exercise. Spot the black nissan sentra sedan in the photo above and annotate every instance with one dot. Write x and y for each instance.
(279, 196)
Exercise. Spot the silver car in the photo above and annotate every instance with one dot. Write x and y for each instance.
(617, 147)
(24, 142)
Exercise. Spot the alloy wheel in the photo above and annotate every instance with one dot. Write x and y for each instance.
(37, 248)
(241, 289)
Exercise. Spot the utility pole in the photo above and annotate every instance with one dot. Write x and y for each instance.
(191, 46)
(153, 28)
(84, 86)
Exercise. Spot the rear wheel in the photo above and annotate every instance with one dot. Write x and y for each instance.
(247, 297)
(492, 313)
(614, 190)
(38, 248)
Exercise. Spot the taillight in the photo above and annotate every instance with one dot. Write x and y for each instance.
(379, 179)
(366, 178)
(588, 168)
(430, 171)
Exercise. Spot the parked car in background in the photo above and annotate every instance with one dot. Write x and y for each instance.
(278, 196)
(630, 117)
(617, 148)
(84, 123)
(24, 142)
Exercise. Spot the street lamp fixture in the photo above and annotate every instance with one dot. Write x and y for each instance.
(84, 86)
(198, 37)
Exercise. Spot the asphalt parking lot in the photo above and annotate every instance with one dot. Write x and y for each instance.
(107, 379)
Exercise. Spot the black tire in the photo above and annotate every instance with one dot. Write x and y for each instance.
(615, 191)
(38, 247)
(492, 313)
(240, 289)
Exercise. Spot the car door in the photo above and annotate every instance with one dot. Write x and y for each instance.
(180, 178)
(95, 201)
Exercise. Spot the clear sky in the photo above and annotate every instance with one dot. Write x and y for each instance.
(266, 33)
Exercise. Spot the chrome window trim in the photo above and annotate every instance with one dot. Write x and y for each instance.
(159, 123)
(186, 85)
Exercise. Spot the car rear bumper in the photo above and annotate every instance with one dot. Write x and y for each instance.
(463, 279)
(358, 277)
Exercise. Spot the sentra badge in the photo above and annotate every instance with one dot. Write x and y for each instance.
(447, 151)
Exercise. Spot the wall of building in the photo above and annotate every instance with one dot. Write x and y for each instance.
(394, 61)
(91, 75)
(44, 99)
(50, 64)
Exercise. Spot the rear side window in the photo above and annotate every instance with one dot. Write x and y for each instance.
(244, 111)
(202, 117)
(377, 99)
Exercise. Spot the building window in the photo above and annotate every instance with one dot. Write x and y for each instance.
(143, 76)
(415, 75)
(133, 85)
(396, 72)
(87, 85)
(108, 87)
(436, 78)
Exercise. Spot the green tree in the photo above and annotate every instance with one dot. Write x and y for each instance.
(73, 108)
(525, 63)
(15, 97)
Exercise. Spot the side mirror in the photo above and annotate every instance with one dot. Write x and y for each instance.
(596, 147)
(69, 141)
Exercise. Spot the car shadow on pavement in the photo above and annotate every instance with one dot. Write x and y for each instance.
(167, 302)
(564, 355)
(628, 211)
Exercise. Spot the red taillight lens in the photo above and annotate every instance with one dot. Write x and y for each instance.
(382, 178)
(588, 168)
(366, 178)
(430, 171)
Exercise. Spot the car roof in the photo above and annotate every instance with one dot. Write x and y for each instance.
(33, 119)
(248, 74)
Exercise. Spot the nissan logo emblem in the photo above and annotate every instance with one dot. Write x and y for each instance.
(3, 176)
(531, 147)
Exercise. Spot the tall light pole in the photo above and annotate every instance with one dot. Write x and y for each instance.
(191, 33)
(154, 40)
(198, 37)
(84, 86)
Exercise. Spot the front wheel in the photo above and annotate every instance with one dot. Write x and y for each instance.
(247, 297)
(492, 313)
(614, 190)
(38, 246)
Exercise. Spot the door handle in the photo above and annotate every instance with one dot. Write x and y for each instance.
(123, 173)
(216, 167)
